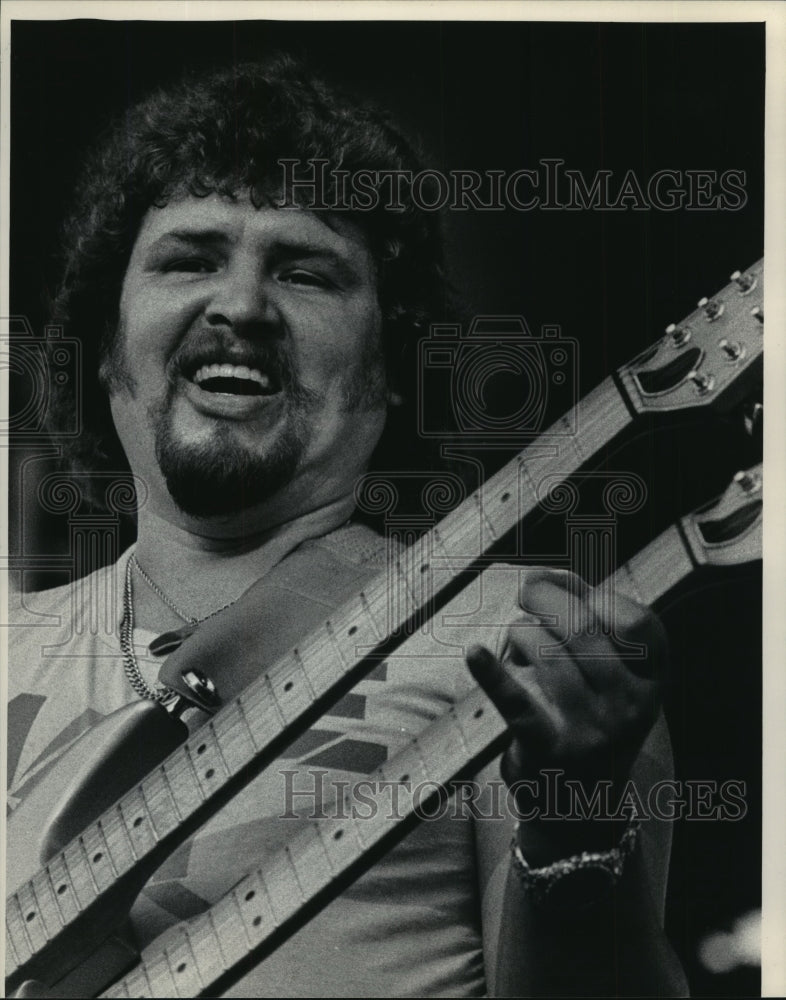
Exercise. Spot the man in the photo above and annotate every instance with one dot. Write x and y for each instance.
(247, 346)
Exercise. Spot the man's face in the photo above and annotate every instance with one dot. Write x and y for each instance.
(248, 362)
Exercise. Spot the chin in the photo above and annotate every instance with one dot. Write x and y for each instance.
(222, 477)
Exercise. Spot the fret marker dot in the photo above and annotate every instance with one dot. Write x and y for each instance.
(209, 772)
(404, 777)
(288, 686)
(201, 748)
(61, 889)
(97, 857)
(30, 916)
(352, 629)
(138, 821)
(505, 497)
(424, 568)
(181, 967)
(338, 835)
(478, 713)
(256, 921)
(249, 895)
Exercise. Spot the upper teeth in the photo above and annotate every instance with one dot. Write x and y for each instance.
(231, 371)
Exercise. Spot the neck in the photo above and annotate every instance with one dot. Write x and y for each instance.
(200, 572)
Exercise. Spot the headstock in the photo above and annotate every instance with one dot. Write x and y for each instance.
(728, 530)
(712, 358)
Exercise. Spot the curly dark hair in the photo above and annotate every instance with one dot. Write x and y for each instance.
(227, 133)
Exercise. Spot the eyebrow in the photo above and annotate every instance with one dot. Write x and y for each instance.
(219, 238)
(191, 237)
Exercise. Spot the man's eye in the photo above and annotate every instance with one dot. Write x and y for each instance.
(298, 277)
(191, 265)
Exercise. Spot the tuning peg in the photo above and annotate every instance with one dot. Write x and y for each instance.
(753, 416)
(745, 282)
(733, 350)
(704, 383)
(680, 335)
(749, 482)
(758, 313)
(712, 309)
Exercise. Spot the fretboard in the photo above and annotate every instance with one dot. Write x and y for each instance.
(240, 740)
(268, 905)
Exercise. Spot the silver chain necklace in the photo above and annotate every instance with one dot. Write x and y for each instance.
(130, 662)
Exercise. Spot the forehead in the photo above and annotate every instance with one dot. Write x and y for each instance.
(237, 222)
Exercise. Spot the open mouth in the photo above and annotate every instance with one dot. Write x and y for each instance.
(235, 380)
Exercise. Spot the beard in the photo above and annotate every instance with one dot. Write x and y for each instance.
(220, 477)
(222, 474)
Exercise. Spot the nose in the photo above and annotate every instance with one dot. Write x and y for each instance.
(240, 300)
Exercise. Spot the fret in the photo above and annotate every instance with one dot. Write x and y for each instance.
(282, 886)
(161, 807)
(183, 969)
(15, 930)
(47, 903)
(159, 976)
(118, 843)
(63, 888)
(230, 930)
(441, 745)
(481, 509)
(309, 863)
(205, 948)
(33, 924)
(254, 907)
(479, 721)
(95, 849)
(275, 686)
(232, 737)
(137, 821)
(183, 782)
(318, 667)
(136, 983)
(207, 766)
(335, 643)
(656, 569)
(262, 714)
(339, 848)
(81, 876)
(369, 615)
(12, 960)
(245, 722)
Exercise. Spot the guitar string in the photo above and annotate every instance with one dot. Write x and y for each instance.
(448, 540)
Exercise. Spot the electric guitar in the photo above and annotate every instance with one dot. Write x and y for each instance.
(271, 903)
(59, 915)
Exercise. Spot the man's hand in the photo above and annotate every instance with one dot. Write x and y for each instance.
(586, 710)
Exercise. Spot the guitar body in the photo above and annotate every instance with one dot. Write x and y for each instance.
(102, 765)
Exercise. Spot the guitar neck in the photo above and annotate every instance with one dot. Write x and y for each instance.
(243, 737)
(269, 905)
(47, 914)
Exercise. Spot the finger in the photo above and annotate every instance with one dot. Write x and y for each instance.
(521, 702)
(612, 638)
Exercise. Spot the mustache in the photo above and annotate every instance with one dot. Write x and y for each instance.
(271, 355)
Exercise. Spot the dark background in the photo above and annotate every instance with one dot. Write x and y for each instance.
(503, 96)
